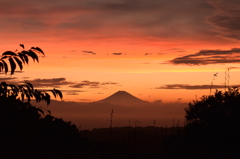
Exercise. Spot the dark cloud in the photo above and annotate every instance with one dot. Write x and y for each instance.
(14, 72)
(57, 82)
(85, 100)
(226, 18)
(155, 18)
(85, 83)
(148, 54)
(7, 78)
(158, 101)
(206, 57)
(98, 93)
(89, 52)
(72, 92)
(153, 54)
(179, 99)
(10, 80)
(107, 83)
(176, 49)
(191, 87)
(40, 83)
(92, 84)
(230, 68)
(50, 82)
(117, 53)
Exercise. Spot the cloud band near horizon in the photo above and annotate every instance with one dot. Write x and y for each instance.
(206, 57)
(192, 87)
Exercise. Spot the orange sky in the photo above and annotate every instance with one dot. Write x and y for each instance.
(160, 44)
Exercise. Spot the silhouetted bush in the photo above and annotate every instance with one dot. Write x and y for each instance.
(214, 122)
(25, 132)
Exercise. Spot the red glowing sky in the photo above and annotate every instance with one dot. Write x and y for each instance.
(166, 50)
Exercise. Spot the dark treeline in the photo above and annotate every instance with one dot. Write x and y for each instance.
(131, 142)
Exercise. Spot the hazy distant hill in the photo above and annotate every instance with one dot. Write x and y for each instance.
(124, 98)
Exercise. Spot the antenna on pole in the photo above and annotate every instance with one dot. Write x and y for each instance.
(214, 75)
(111, 125)
(111, 118)
(225, 81)
(228, 76)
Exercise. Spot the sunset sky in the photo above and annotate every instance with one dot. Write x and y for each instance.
(165, 50)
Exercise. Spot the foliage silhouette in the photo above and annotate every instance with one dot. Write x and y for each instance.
(218, 108)
(213, 121)
(18, 58)
(25, 91)
(29, 134)
(25, 130)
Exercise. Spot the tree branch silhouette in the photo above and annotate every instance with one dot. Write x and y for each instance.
(10, 59)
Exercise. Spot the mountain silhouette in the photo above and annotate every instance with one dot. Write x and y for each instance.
(123, 98)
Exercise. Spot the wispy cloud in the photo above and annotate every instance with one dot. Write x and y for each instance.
(6, 79)
(186, 86)
(230, 68)
(206, 57)
(91, 84)
(89, 52)
(59, 82)
(50, 82)
(148, 54)
(72, 92)
(99, 19)
(14, 72)
(117, 53)
(226, 17)
(179, 99)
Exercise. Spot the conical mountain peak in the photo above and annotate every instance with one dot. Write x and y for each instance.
(124, 98)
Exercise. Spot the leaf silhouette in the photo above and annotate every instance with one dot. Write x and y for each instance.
(25, 91)
(47, 99)
(1, 66)
(37, 96)
(32, 55)
(21, 55)
(22, 95)
(5, 66)
(9, 53)
(12, 65)
(29, 89)
(20, 58)
(53, 92)
(18, 62)
(58, 92)
(22, 46)
(4, 84)
(38, 49)
(24, 53)
(40, 110)
(29, 84)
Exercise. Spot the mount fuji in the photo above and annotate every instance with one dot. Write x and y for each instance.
(123, 98)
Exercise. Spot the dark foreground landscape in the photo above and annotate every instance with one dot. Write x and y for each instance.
(212, 131)
(212, 128)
